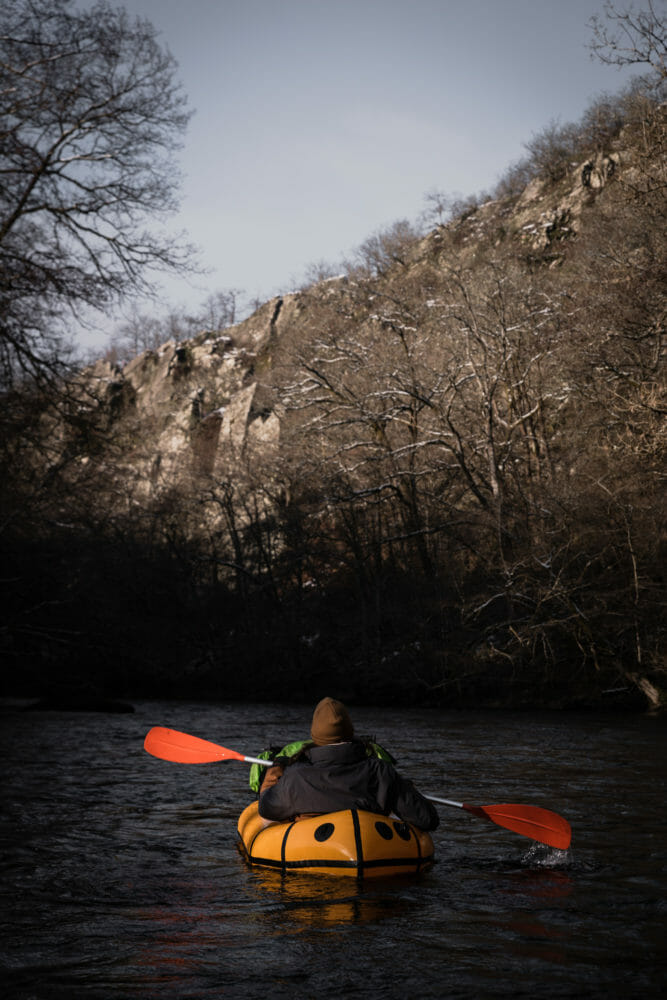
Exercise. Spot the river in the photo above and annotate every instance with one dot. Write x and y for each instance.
(122, 877)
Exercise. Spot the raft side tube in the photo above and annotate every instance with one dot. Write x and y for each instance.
(351, 842)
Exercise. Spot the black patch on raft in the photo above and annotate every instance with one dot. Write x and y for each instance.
(323, 832)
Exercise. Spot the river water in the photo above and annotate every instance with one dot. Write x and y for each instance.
(122, 877)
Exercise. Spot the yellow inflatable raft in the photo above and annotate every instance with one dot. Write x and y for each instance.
(350, 842)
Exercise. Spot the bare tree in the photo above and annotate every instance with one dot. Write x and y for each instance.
(220, 310)
(386, 249)
(317, 271)
(147, 330)
(552, 151)
(140, 331)
(632, 38)
(438, 207)
(91, 117)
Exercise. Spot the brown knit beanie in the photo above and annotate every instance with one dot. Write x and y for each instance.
(331, 723)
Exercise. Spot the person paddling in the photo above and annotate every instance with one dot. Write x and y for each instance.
(337, 773)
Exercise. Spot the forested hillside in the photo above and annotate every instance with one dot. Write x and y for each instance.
(437, 477)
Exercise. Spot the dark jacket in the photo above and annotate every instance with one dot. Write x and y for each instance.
(342, 776)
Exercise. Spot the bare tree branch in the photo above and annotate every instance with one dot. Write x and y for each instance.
(91, 118)
(632, 38)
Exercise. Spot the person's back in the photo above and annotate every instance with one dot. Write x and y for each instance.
(336, 773)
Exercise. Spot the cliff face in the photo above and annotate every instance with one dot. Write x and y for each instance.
(195, 406)
(193, 403)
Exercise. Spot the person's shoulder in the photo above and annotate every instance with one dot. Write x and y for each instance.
(381, 764)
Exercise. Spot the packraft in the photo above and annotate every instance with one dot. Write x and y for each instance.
(351, 842)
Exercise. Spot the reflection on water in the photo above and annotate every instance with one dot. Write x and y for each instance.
(122, 876)
(317, 901)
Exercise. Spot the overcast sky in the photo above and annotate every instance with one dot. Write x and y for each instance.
(318, 122)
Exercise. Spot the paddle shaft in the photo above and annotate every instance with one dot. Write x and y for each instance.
(445, 802)
(258, 760)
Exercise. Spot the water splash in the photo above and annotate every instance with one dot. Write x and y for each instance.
(543, 856)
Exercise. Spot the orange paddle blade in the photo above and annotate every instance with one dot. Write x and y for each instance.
(169, 744)
(530, 821)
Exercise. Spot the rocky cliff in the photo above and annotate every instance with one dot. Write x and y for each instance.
(197, 404)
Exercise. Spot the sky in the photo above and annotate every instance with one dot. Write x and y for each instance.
(320, 122)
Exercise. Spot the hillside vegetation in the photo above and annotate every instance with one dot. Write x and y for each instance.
(438, 477)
